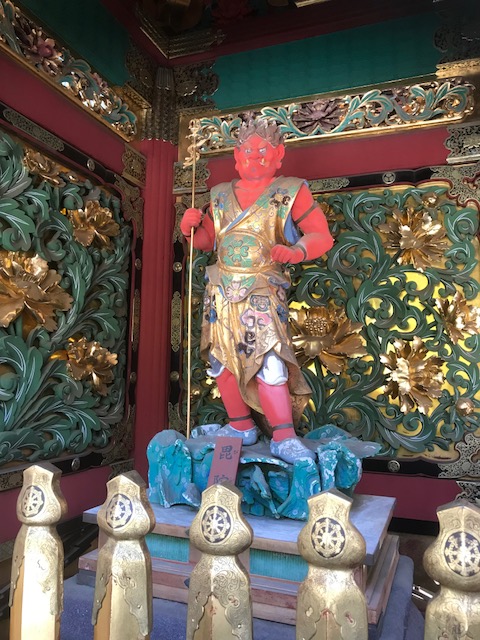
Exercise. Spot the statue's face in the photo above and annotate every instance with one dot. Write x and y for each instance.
(256, 158)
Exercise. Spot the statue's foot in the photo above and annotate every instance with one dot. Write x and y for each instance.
(250, 436)
(291, 449)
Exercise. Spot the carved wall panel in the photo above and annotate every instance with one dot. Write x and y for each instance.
(65, 254)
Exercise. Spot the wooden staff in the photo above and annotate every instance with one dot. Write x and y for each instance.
(194, 127)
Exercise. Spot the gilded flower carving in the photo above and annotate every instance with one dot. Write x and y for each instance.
(412, 376)
(94, 224)
(416, 236)
(30, 288)
(41, 165)
(458, 317)
(326, 334)
(90, 361)
(322, 113)
(39, 49)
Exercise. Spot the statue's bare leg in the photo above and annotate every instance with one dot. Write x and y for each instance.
(277, 407)
(240, 420)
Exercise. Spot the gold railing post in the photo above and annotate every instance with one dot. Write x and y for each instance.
(330, 605)
(122, 608)
(36, 589)
(219, 599)
(453, 560)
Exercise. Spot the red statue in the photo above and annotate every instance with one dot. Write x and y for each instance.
(256, 224)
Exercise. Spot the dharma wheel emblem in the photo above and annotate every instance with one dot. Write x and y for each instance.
(216, 524)
(119, 511)
(33, 501)
(328, 537)
(462, 554)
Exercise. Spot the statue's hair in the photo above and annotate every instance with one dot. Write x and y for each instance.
(266, 129)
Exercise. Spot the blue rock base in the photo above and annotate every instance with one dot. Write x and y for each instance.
(179, 470)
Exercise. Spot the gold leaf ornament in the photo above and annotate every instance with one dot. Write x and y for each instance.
(465, 406)
(30, 288)
(419, 239)
(413, 378)
(94, 224)
(45, 167)
(90, 361)
(327, 334)
(458, 317)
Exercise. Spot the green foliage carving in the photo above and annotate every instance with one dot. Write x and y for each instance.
(44, 412)
(385, 108)
(387, 288)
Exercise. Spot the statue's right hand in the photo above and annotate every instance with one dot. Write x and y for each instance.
(191, 218)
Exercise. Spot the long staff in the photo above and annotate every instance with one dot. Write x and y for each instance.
(194, 125)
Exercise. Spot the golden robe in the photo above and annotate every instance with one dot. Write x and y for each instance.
(245, 305)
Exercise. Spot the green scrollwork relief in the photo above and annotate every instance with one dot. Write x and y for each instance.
(64, 261)
(404, 265)
(379, 109)
(387, 325)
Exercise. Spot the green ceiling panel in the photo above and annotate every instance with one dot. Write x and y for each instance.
(372, 54)
(89, 31)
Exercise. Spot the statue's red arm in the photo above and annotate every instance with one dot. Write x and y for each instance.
(204, 236)
(311, 220)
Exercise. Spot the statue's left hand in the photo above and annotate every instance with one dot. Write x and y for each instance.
(282, 253)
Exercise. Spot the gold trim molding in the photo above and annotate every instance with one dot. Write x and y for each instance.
(132, 203)
(32, 129)
(135, 166)
(328, 184)
(463, 143)
(123, 441)
(181, 205)
(466, 465)
(176, 322)
(470, 491)
(136, 304)
(178, 45)
(11, 479)
(463, 179)
(182, 180)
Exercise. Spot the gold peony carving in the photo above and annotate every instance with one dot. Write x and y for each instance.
(417, 238)
(30, 288)
(47, 169)
(95, 225)
(326, 334)
(412, 377)
(458, 318)
(89, 361)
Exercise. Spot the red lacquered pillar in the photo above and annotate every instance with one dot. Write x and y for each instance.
(154, 346)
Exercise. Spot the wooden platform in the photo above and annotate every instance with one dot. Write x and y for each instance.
(272, 557)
